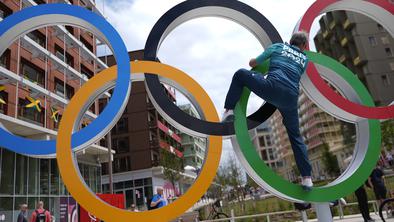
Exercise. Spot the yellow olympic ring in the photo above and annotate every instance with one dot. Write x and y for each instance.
(70, 174)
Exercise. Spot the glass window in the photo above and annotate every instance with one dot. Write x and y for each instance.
(5, 59)
(54, 177)
(59, 52)
(31, 204)
(30, 113)
(123, 145)
(32, 72)
(385, 80)
(69, 59)
(129, 195)
(392, 66)
(4, 97)
(87, 72)
(38, 37)
(87, 44)
(21, 175)
(6, 208)
(44, 176)
(4, 10)
(70, 29)
(59, 87)
(385, 40)
(389, 53)
(7, 173)
(262, 141)
(372, 41)
(33, 176)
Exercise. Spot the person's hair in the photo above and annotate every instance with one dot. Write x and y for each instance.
(299, 39)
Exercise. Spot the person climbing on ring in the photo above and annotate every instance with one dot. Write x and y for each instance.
(280, 88)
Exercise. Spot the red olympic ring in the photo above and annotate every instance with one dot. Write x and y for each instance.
(385, 112)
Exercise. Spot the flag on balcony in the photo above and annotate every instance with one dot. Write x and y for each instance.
(55, 114)
(34, 103)
(2, 101)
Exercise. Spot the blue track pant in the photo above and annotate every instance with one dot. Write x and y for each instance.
(274, 91)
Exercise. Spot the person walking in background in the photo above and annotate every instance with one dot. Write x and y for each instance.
(376, 182)
(41, 214)
(362, 200)
(158, 200)
(22, 216)
(133, 208)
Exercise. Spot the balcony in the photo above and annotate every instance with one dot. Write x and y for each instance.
(344, 41)
(358, 61)
(326, 34)
(342, 59)
(170, 149)
(168, 131)
(347, 24)
(332, 24)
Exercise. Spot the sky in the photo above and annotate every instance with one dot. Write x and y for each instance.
(210, 49)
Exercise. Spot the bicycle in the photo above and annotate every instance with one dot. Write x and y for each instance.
(390, 210)
(216, 212)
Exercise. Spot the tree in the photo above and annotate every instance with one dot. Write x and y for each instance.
(330, 161)
(388, 134)
(172, 167)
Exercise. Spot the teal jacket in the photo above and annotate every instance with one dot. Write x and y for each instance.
(287, 63)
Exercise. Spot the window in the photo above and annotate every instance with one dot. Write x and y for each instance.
(5, 59)
(69, 59)
(385, 40)
(59, 89)
(380, 27)
(122, 126)
(122, 164)
(38, 37)
(385, 80)
(4, 10)
(262, 141)
(40, 1)
(389, 53)
(87, 44)
(59, 52)
(121, 145)
(56, 124)
(392, 65)
(4, 97)
(87, 72)
(32, 72)
(372, 41)
(30, 114)
(70, 29)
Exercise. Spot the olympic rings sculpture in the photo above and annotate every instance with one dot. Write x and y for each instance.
(357, 107)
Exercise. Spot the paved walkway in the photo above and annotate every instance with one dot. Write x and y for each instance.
(357, 218)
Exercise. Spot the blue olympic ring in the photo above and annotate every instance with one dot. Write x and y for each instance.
(118, 98)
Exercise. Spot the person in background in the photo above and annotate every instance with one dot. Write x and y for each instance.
(362, 200)
(158, 200)
(376, 182)
(41, 214)
(133, 208)
(22, 216)
(389, 158)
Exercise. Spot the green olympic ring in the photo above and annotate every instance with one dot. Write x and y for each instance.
(318, 194)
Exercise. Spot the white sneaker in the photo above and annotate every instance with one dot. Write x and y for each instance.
(306, 183)
(228, 116)
(343, 201)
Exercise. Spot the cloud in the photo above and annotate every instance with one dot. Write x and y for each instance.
(208, 49)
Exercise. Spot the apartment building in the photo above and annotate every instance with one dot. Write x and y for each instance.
(39, 73)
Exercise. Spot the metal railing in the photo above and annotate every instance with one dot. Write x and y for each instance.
(268, 216)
